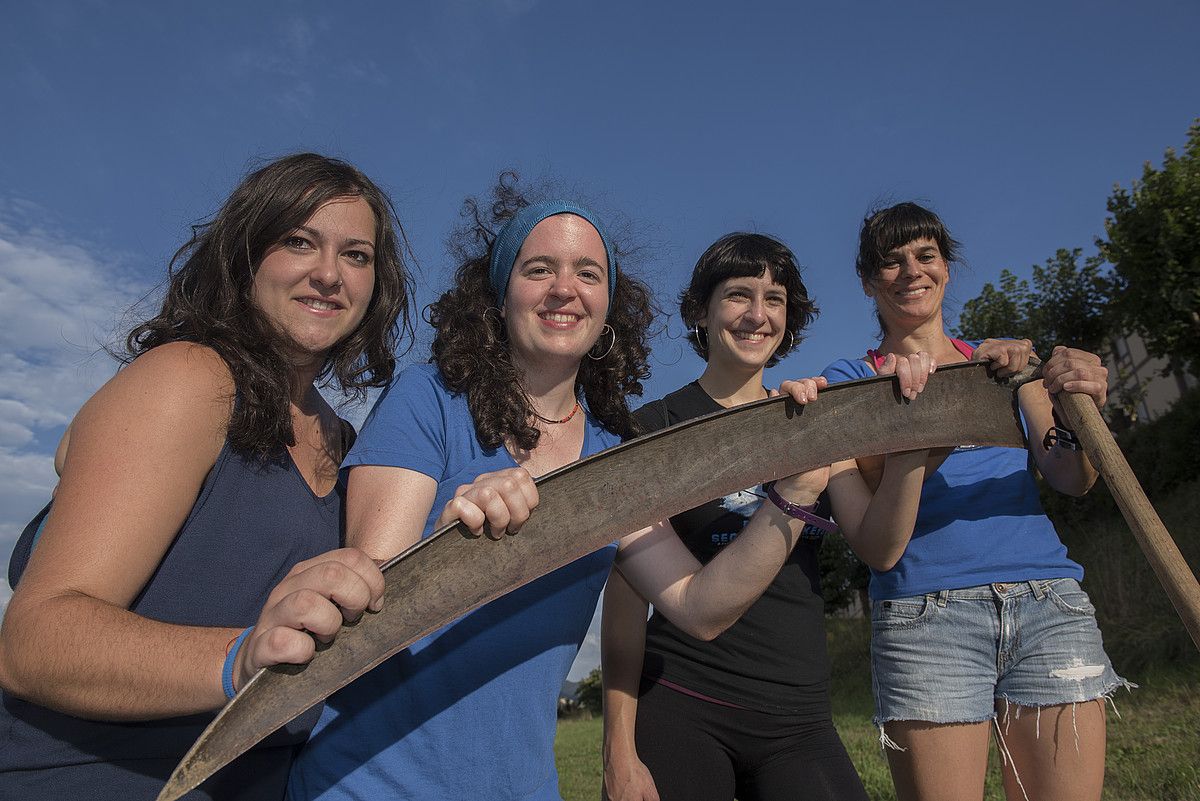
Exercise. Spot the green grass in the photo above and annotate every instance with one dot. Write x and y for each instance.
(577, 752)
(1153, 746)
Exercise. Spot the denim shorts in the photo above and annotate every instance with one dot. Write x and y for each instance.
(949, 656)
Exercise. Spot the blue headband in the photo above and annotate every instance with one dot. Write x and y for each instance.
(513, 234)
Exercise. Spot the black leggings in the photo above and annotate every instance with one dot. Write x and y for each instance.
(701, 751)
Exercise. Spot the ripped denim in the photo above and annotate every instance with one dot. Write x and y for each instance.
(952, 656)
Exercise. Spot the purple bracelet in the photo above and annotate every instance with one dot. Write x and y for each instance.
(799, 512)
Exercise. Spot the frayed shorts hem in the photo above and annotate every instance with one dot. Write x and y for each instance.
(953, 656)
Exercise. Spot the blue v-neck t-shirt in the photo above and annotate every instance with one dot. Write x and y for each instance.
(470, 711)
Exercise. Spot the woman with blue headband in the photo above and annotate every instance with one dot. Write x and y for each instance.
(537, 345)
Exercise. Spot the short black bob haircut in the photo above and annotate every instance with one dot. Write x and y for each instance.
(884, 230)
(739, 255)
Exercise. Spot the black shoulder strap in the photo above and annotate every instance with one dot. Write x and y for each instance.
(349, 435)
(24, 547)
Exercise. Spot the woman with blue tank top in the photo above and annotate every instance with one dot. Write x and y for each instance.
(978, 619)
(199, 494)
(538, 343)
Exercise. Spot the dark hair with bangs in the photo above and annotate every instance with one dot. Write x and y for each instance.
(470, 347)
(209, 298)
(884, 230)
(739, 255)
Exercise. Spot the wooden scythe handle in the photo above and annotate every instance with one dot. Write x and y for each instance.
(1168, 563)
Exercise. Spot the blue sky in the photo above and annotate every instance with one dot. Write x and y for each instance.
(124, 123)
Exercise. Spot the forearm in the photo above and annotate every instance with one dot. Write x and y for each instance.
(878, 526)
(712, 599)
(88, 658)
(622, 649)
(1069, 472)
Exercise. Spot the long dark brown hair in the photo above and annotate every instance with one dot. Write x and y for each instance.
(470, 347)
(209, 298)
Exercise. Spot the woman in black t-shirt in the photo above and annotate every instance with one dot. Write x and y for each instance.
(747, 713)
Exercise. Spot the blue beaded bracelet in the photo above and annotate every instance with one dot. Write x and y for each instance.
(230, 659)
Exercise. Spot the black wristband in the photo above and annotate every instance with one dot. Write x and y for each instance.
(1062, 437)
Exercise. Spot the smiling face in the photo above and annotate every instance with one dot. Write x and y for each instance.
(910, 285)
(745, 320)
(316, 283)
(557, 294)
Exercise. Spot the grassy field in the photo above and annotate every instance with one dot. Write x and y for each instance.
(1153, 747)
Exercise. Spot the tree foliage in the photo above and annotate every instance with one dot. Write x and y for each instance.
(1154, 246)
(843, 576)
(1067, 305)
(590, 693)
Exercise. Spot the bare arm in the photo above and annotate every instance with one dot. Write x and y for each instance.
(139, 452)
(875, 500)
(878, 524)
(386, 508)
(704, 601)
(1067, 370)
(622, 648)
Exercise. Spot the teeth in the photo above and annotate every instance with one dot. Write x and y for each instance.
(750, 337)
(319, 305)
(912, 293)
(559, 318)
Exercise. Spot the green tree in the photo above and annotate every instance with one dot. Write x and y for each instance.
(997, 312)
(1154, 246)
(1067, 305)
(843, 577)
(590, 693)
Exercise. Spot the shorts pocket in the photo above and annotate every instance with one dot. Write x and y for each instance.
(1070, 597)
(901, 612)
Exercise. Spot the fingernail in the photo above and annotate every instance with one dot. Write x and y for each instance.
(377, 604)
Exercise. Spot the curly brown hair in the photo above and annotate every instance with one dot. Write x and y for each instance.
(209, 298)
(471, 351)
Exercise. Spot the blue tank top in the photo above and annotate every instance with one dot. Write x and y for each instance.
(251, 523)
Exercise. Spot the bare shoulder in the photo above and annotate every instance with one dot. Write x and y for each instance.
(184, 364)
(180, 392)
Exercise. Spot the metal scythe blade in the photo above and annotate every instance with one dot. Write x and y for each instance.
(612, 493)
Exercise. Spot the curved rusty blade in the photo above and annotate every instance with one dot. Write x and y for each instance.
(606, 496)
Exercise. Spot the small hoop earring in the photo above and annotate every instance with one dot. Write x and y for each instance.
(791, 341)
(695, 331)
(502, 336)
(610, 344)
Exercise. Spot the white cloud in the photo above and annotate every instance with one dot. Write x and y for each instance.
(59, 304)
(588, 657)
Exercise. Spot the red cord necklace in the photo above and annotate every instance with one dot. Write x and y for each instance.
(566, 419)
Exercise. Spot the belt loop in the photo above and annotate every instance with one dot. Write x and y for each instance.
(1039, 588)
(942, 597)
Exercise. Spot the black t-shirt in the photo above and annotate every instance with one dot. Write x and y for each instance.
(774, 658)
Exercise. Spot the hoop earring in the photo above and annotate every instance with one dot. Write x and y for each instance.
(791, 341)
(610, 344)
(695, 332)
(502, 336)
